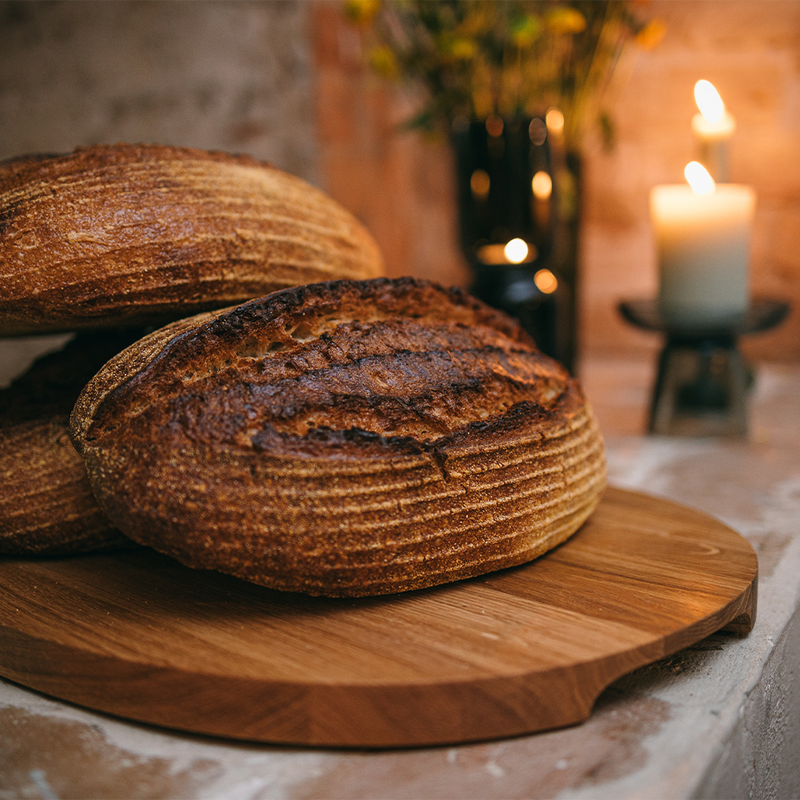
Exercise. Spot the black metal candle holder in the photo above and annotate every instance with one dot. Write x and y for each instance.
(702, 381)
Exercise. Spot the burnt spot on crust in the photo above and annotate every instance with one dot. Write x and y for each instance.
(401, 359)
(346, 439)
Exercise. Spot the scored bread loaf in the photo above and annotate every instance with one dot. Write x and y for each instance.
(46, 503)
(116, 235)
(346, 438)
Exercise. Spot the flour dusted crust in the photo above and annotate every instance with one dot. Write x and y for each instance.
(346, 438)
(47, 507)
(143, 234)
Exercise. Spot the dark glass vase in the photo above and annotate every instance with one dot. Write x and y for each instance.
(515, 184)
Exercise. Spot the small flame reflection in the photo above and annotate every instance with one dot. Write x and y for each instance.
(545, 281)
(542, 185)
(494, 126)
(554, 120)
(480, 184)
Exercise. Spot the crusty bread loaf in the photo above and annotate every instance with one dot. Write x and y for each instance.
(143, 234)
(344, 438)
(46, 503)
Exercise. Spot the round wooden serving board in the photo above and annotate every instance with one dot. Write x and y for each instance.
(138, 635)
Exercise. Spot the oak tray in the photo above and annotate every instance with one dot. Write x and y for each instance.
(137, 635)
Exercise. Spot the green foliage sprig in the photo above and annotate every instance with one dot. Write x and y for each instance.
(510, 58)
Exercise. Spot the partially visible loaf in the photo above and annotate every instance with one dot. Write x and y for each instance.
(47, 507)
(346, 438)
(116, 235)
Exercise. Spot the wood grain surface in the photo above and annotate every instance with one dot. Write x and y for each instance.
(138, 635)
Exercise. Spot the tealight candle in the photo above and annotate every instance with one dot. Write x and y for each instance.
(517, 251)
(713, 127)
(703, 239)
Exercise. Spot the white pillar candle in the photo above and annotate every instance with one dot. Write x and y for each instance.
(703, 245)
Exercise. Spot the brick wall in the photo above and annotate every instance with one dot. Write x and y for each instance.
(401, 185)
(398, 183)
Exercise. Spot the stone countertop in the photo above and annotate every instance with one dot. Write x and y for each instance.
(720, 719)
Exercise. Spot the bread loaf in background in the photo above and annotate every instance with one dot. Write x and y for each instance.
(116, 235)
(47, 507)
(346, 438)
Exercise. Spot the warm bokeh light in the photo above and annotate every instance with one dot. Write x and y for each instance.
(545, 281)
(495, 254)
(516, 251)
(480, 184)
(708, 101)
(554, 120)
(537, 131)
(542, 185)
(699, 178)
(494, 126)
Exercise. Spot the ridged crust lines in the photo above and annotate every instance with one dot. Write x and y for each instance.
(417, 517)
(138, 231)
(338, 511)
(46, 502)
(47, 507)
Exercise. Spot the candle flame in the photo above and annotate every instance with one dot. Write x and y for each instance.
(699, 178)
(708, 101)
(495, 254)
(516, 251)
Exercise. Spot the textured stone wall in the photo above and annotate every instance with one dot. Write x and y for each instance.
(235, 76)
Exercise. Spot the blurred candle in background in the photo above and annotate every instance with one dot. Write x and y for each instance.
(703, 240)
(516, 251)
(713, 127)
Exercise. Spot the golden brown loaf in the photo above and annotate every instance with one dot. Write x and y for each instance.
(46, 503)
(143, 234)
(345, 438)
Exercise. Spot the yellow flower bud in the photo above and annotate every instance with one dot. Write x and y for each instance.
(454, 48)
(383, 61)
(566, 20)
(462, 49)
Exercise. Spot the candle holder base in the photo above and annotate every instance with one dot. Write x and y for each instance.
(702, 381)
(701, 390)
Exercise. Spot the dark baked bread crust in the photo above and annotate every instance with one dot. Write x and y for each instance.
(346, 438)
(47, 506)
(117, 235)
